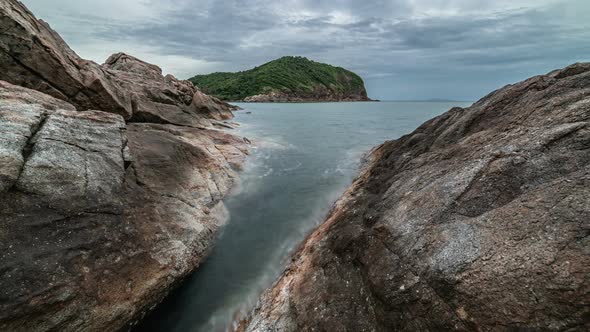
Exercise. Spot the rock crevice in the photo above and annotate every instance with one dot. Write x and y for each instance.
(100, 215)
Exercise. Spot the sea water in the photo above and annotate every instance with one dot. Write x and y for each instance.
(303, 157)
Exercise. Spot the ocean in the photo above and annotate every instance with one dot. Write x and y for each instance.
(303, 157)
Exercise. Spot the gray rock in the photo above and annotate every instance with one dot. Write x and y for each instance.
(16, 95)
(478, 220)
(19, 121)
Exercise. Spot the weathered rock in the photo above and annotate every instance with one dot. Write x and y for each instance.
(32, 55)
(287, 79)
(160, 99)
(478, 220)
(98, 220)
(60, 210)
(320, 94)
(206, 104)
(13, 94)
(18, 126)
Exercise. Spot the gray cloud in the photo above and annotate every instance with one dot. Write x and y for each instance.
(403, 48)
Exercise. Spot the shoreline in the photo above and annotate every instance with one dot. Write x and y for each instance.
(304, 101)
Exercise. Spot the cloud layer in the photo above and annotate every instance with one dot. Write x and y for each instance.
(404, 49)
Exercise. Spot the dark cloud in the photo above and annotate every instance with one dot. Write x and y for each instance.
(403, 48)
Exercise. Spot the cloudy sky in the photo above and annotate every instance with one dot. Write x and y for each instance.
(404, 49)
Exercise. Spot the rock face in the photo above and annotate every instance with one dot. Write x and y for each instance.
(160, 99)
(100, 219)
(478, 220)
(319, 95)
(111, 181)
(32, 55)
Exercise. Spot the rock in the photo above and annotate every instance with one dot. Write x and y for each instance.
(320, 94)
(130, 64)
(13, 94)
(61, 211)
(100, 220)
(19, 123)
(163, 99)
(32, 55)
(478, 220)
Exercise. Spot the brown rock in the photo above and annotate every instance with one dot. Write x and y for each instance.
(32, 55)
(478, 220)
(98, 220)
(320, 94)
(60, 212)
(212, 106)
(159, 99)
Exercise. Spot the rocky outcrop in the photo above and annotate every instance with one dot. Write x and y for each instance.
(111, 181)
(321, 94)
(478, 220)
(99, 220)
(32, 55)
(12, 94)
(163, 99)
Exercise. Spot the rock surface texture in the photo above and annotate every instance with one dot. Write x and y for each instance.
(111, 181)
(318, 95)
(32, 55)
(478, 220)
(163, 99)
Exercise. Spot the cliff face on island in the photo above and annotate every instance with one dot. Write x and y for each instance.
(477, 221)
(288, 79)
(111, 180)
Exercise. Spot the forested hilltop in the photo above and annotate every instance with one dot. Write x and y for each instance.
(288, 79)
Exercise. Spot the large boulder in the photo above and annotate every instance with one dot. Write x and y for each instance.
(478, 220)
(163, 99)
(32, 55)
(99, 220)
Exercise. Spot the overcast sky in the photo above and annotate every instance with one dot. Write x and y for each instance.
(404, 49)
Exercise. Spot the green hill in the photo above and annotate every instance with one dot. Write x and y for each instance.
(286, 79)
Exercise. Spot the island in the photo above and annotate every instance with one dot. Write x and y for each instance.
(287, 79)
